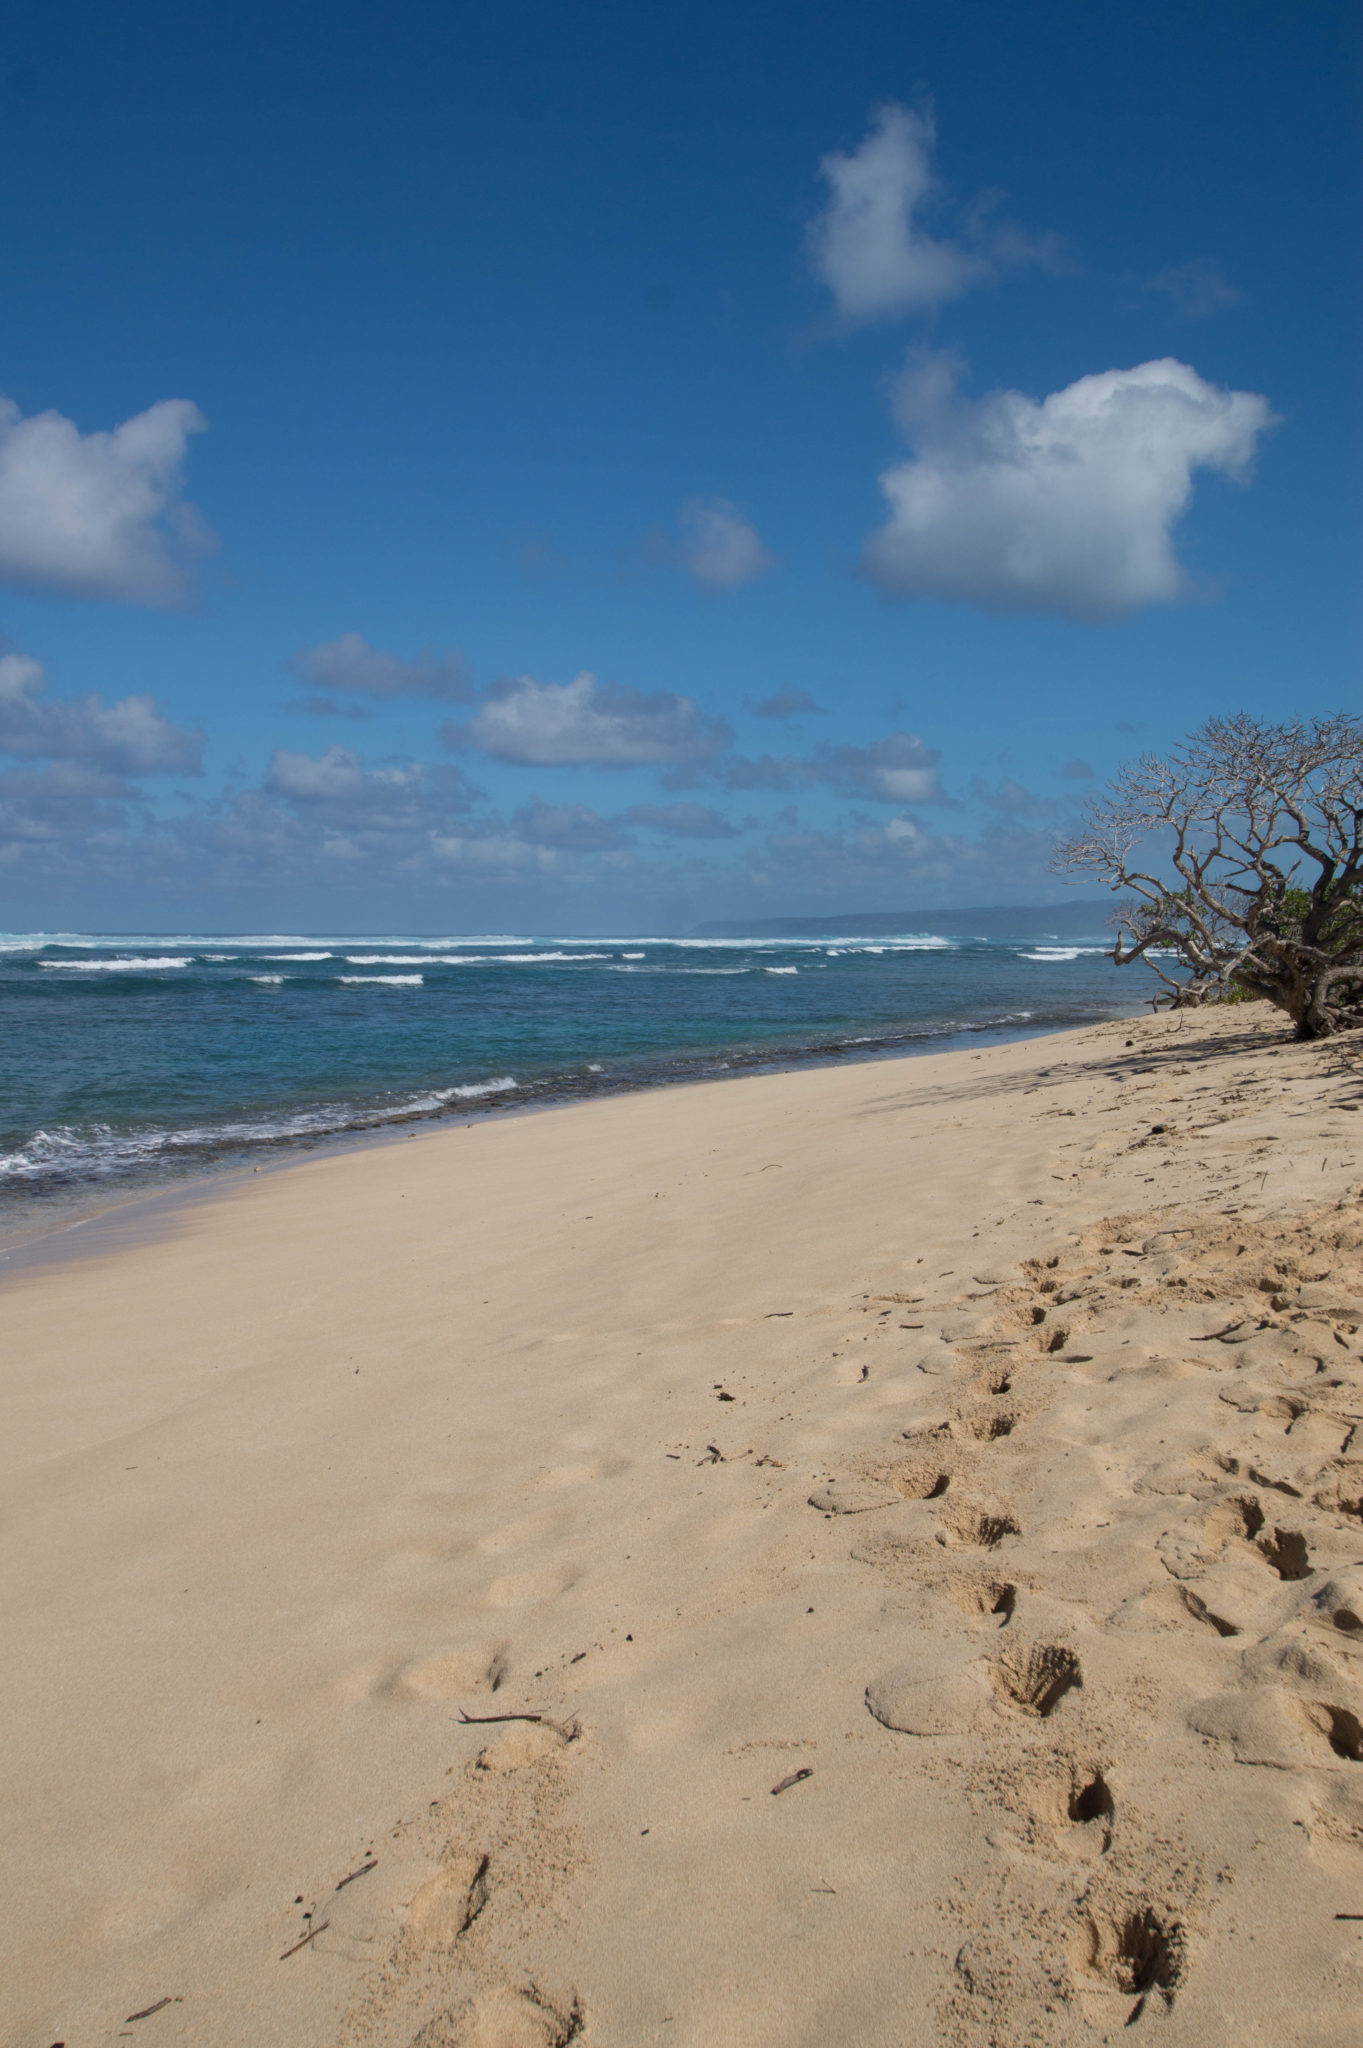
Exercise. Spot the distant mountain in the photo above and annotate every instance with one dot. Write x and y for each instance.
(1079, 919)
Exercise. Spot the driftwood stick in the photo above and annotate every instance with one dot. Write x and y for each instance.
(485, 1720)
(363, 1871)
(148, 2010)
(311, 1935)
(795, 1778)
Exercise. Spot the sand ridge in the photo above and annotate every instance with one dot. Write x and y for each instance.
(964, 1446)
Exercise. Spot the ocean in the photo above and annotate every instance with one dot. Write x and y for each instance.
(130, 1061)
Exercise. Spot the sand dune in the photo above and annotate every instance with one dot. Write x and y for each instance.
(865, 1556)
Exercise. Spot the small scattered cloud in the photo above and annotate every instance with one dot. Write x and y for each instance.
(767, 771)
(1012, 799)
(790, 704)
(1077, 771)
(896, 770)
(313, 705)
(99, 515)
(349, 667)
(588, 723)
(1065, 505)
(683, 821)
(539, 558)
(573, 828)
(719, 546)
(869, 244)
(1196, 290)
(128, 737)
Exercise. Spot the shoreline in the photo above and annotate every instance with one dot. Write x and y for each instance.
(888, 1437)
(154, 1203)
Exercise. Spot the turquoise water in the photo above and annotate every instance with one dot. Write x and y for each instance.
(128, 1061)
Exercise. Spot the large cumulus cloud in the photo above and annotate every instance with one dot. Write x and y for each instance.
(1067, 504)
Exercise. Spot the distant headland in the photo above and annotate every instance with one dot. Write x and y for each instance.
(1076, 919)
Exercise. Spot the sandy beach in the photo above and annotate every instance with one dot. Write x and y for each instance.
(870, 1555)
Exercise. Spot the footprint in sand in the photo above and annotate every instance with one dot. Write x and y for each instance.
(1285, 1552)
(1181, 1600)
(981, 1523)
(1071, 1792)
(508, 2018)
(925, 1477)
(1034, 1677)
(453, 1673)
(944, 1692)
(853, 1496)
(985, 1425)
(447, 1905)
(1127, 1946)
(1339, 1602)
(524, 1743)
(986, 1599)
(1267, 1724)
(1342, 1494)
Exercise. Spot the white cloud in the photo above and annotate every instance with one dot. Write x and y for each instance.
(1066, 505)
(586, 722)
(127, 737)
(98, 515)
(719, 547)
(867, 245)
(349, 665)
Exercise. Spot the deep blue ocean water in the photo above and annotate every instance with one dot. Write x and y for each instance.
(125, 1062)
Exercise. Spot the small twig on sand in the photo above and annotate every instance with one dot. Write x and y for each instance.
(148, 2010)
(795, 1778)
(773, 1314)
(714, 1456)
(363, 1871)
(485, 1720)
(311, 1935)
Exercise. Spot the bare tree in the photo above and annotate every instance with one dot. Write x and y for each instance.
(1243, 852)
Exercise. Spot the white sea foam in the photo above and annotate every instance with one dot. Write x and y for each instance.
(780, 970)
(290, 956)
(217, 956)
(139, 964)
(266, 980)
(97, 1149)
(1062, 952)
(631, 956)
(382, 980)
(386, 959)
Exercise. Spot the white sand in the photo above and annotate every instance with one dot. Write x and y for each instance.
(439, 1426)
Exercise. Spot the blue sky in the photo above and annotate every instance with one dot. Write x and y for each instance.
(599, 468)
